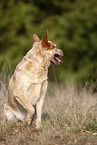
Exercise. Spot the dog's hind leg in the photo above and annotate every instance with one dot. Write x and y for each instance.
(24, 101)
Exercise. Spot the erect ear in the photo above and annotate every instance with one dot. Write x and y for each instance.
(45, 40)
(35, 38)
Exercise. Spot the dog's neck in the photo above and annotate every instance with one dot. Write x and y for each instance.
(40, 60)
(38, 57)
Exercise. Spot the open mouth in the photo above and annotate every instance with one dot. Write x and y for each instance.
(56, 57)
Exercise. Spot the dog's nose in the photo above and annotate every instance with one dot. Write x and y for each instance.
(61, 52)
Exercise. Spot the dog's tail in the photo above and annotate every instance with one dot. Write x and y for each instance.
(13, 107)
(10, 113)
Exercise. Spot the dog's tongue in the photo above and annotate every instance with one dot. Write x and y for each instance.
(60, 61)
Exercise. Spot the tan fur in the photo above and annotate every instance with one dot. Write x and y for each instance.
(28, 84)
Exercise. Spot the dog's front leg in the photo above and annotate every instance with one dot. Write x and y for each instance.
(39, 112)
(40, 104)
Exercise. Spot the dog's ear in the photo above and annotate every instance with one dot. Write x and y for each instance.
(35, 38)
(45, 40)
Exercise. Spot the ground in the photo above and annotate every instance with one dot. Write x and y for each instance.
(69, 118)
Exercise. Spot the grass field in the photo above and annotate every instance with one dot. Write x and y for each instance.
(69, 118)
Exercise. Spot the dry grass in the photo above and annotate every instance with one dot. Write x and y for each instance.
(69, 117)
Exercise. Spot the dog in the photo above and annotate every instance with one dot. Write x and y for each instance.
(28, 84)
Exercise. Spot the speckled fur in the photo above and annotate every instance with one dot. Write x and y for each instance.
(28, 84)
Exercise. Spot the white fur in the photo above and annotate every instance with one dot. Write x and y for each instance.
(10, 114)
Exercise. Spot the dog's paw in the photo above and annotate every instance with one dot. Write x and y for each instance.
(38, 125)
(27, 121)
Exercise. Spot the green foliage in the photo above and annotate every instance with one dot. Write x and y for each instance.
(72, 26)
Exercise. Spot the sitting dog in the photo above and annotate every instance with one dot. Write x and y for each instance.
(28, 84)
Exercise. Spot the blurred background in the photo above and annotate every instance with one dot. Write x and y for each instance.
(72, 26)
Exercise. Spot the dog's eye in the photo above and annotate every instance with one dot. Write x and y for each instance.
(54, 46)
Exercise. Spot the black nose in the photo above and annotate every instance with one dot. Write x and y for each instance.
(62, 53)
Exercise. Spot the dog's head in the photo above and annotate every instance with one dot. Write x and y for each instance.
(47, 49)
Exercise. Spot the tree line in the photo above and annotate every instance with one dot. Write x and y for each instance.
(72, 25)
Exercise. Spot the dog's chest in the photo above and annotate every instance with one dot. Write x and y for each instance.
(34, 93)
